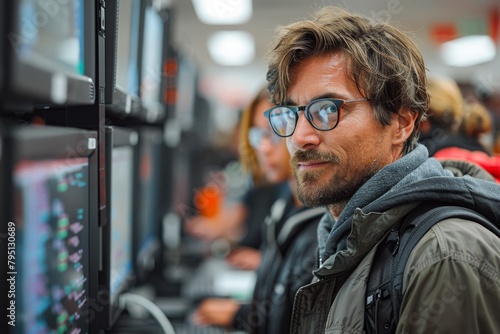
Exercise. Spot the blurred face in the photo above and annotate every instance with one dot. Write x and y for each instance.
(271, 150)
(331, 165)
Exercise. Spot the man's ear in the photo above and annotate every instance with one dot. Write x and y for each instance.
(405, 123)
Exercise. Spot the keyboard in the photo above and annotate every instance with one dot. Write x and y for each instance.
(215, 278)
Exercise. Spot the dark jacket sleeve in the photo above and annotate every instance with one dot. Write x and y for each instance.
(241, 318)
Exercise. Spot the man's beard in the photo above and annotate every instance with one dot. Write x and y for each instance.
(314, 192)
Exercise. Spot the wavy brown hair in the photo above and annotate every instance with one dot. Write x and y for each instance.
(248, 157)
(386, 66)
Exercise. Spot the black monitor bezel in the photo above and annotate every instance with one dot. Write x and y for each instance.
(114, 137)
(27, 142)
(26, 87)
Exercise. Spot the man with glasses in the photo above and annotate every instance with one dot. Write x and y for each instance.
(350, 94)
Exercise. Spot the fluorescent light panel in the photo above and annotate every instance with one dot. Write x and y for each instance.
(231, 48)
(468, 51)
(223, 11)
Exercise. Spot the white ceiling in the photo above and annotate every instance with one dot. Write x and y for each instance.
(232, 86)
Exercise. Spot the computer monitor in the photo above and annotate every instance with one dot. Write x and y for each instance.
(151, 73)
(48, 53)
(123, 22)
(49, 209)
(117, 275)
(187, 89)
(146, 200)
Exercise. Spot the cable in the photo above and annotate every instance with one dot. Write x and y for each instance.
(155, 311)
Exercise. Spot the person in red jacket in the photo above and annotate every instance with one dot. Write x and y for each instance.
(454, 128)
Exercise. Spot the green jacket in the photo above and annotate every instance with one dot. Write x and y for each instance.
(452, 279)
(450, 286)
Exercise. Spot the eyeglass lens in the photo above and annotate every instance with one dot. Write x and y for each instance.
(322, 114)
(256, 135)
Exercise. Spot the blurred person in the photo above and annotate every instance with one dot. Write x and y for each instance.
(453, 127)
(288, 247)
(240, 223)
(476, 123)
(442, 128)
(350, 94)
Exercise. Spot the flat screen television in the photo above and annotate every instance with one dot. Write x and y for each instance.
(146, 200)
(48, 52)
(123, 23)
(151, 67)
(50, 211)
(117, 274)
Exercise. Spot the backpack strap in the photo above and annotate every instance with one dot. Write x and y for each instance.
(385, 284)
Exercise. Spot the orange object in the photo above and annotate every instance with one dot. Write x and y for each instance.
(207, 201)
(443, 32)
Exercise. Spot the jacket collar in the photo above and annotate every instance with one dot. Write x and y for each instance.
(367, 229)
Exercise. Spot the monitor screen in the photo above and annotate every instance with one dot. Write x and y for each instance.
(52, 243)
(117, 275)
(122, 63)
(121, 220)
(146, 232)
(51, 47)
(187, 85)
(127, 46)
(58, 40)
(152, 52)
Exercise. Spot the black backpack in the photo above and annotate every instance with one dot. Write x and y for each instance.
(385, 283)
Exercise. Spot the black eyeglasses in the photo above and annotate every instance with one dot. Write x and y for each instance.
(322, 114)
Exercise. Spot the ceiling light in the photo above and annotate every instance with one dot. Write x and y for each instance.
(231, 48)
(468, 50)
(223, 11)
